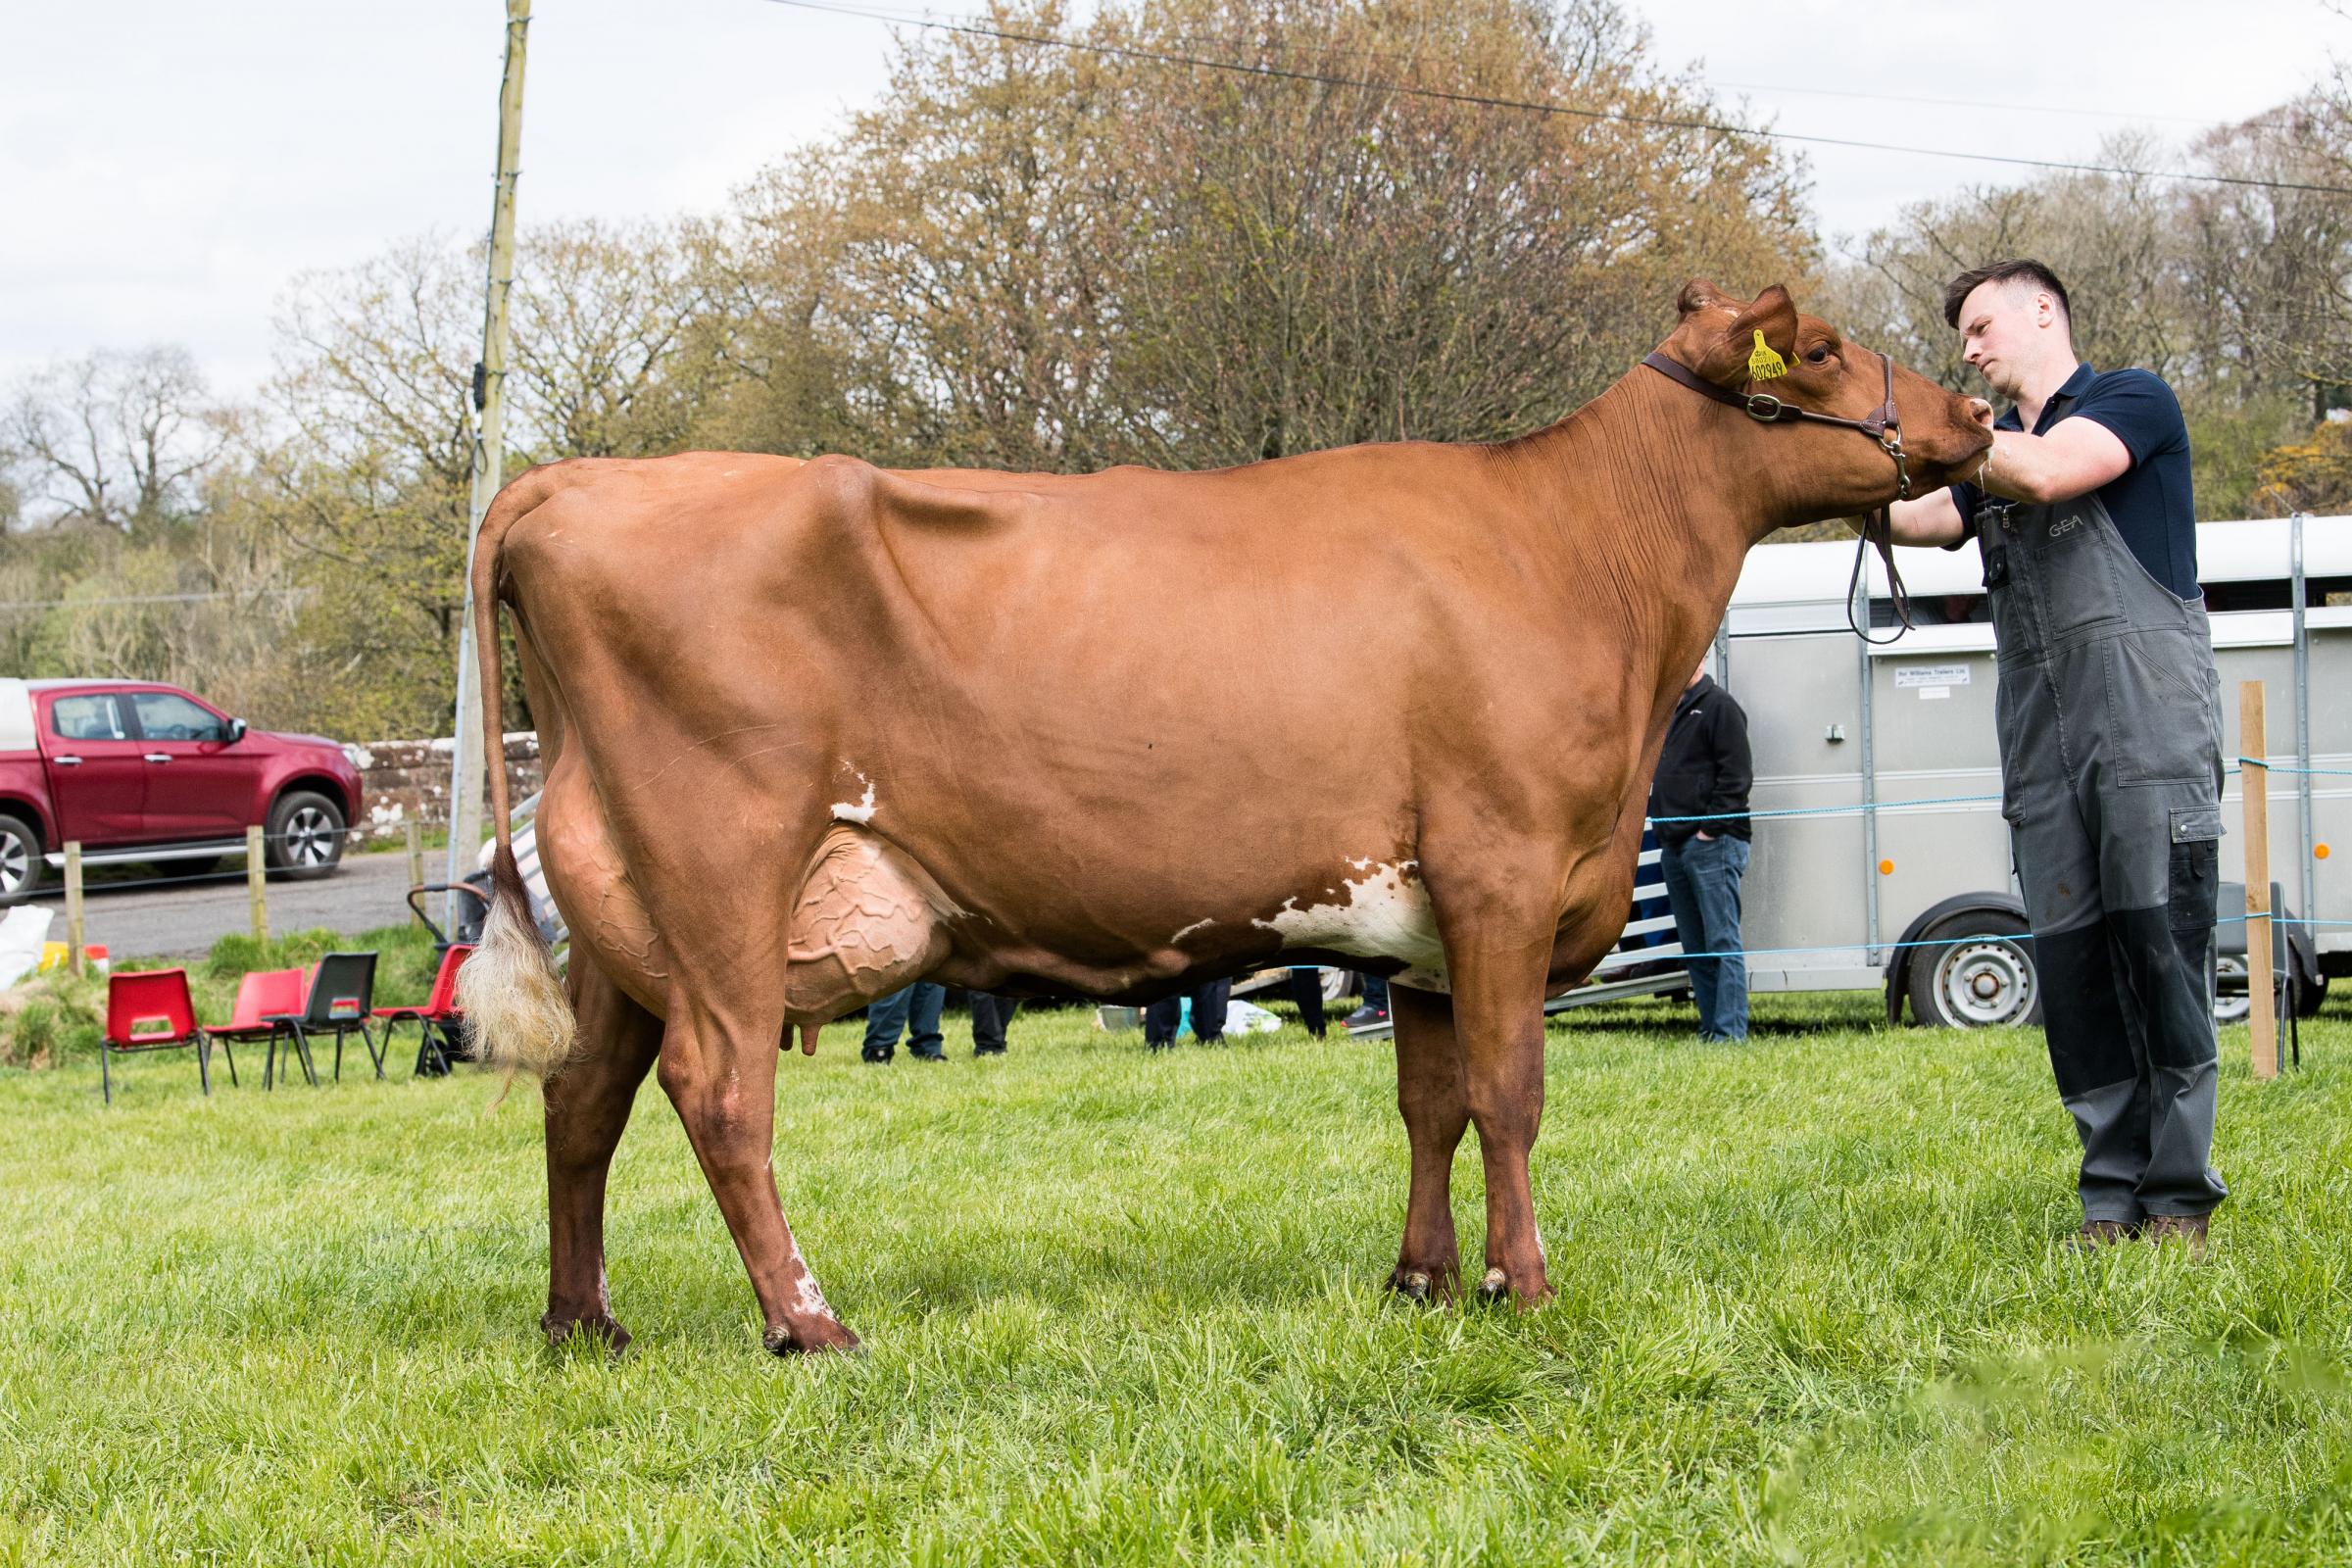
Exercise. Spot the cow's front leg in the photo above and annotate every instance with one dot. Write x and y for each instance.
(587, 1107)
(1429, 1094)
(719, 1070)
(1498, 983)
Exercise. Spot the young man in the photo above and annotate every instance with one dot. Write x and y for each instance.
(1705, 772)
(2109, 715)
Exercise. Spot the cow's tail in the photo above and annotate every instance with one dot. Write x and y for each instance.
(516, 1017)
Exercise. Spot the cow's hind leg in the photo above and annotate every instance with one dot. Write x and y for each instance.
(719, 1067)
(587, 1107)
(1431, 1095)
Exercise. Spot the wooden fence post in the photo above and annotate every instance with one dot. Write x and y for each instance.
(74, 944)
(2262, 1019)
(256, 881)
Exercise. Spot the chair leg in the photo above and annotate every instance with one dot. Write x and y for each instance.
(105, 1069)
(204, 1064)
(338, 1056)
(434, 1040)
(230, 1051)
(368, 1040)
(270, 1067)
(302, 1042)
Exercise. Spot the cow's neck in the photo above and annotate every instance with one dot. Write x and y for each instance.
(1657, 504)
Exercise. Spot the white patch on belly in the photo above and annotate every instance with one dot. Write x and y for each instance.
(857, 810)
(1386, 916)
(1196, 925)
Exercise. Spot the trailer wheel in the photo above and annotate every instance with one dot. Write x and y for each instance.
(1977, 973)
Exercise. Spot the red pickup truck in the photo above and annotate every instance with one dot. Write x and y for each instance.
(137, 770)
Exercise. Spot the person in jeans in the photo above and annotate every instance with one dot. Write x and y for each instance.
(918, 1005)
(1166, 1016)
(1705, 772)
(1306, 990)
(1375, 1008)
(992, 1015)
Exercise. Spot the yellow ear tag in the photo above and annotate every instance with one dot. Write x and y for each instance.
(1762, 364)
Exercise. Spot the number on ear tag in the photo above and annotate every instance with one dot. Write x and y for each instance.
(1763, 364)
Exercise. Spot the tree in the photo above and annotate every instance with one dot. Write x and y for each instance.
(1066, 258)
(117, 440)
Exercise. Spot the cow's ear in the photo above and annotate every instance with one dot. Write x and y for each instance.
(1774, 314)
(1697, 295)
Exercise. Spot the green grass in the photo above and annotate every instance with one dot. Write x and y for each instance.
(1125, 1309)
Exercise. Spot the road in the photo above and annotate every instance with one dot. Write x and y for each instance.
(184, 920)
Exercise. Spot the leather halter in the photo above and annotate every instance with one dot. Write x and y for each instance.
(1883, 426)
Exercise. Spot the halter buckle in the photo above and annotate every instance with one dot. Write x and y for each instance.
(1764, 408)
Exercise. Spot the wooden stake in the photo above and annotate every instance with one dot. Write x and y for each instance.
(74, 906)
(256, 881)
(2262, 1015)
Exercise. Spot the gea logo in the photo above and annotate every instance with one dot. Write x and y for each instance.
(2068, 525)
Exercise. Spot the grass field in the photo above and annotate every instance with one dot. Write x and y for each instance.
(1125, 1309)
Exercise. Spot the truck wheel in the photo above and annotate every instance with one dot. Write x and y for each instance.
(305, 835)
(21, 862)
(1979, 976)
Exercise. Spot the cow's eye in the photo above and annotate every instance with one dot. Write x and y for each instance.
(1817, 356)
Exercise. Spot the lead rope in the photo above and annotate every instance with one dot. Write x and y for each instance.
(1878, 527)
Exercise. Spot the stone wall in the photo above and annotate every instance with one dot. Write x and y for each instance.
(408, 781)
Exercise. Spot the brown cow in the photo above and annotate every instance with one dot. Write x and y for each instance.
(814, 730)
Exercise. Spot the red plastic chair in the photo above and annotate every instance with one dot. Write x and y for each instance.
(439, 1013)
(266, 999)
(151, 1010)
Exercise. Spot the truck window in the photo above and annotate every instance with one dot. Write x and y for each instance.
(170, 717)
(87, 718)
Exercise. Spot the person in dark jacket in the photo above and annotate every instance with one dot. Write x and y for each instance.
(1704, 772)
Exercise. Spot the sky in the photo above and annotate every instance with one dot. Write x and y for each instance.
(166, 169)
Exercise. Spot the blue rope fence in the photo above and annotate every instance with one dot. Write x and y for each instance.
(1642, 956)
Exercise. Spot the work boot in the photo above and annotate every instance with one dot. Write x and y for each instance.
(2101, 1233)
(2187, 1229)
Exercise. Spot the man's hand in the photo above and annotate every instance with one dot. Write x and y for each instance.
(1932, 520)
(2075, 458)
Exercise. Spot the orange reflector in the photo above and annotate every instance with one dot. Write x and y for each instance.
(2319, 851)
(1886, 868)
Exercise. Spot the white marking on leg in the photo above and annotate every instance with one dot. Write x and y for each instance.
(1196, 925)
(806, 1296)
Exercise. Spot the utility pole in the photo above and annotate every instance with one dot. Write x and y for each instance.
(475, 751)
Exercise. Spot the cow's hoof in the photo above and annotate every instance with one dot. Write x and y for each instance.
(811, 1337)
(1495, 1290)
(561, 1330)
(1412, 1285)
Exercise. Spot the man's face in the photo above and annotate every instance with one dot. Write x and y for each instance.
(1696, 675)
(2002, 327)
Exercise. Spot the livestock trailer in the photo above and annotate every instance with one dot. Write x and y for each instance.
(1879, 836)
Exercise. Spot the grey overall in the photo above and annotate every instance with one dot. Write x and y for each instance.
(2109, 712)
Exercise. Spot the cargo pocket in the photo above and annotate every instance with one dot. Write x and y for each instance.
(2192, 901)
(2161, 713)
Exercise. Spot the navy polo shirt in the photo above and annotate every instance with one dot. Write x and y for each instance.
(2149, 501)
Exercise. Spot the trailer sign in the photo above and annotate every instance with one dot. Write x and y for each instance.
(1932, 676)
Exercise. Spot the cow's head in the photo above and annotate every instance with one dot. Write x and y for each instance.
(1944, 435)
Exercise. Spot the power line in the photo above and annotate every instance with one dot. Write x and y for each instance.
(916, 15)
(149, 599)
(1526, 106)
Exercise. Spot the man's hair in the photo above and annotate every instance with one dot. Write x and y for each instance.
(2022, 268)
